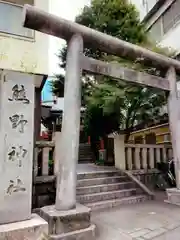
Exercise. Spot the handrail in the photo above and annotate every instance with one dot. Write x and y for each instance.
(42, 144)
(140, 184)
(148, 145)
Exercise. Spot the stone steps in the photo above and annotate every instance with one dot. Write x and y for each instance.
(104, 188)
(85, 159)
(103, 196)
(98, 174)
(85, 153)
(100, 181)
(117, 202)
(87, 233)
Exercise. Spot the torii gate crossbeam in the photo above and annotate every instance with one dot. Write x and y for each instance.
(39, 20)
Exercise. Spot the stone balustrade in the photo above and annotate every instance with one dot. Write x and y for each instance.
(44, 158)
(145, 156)
(137, 156)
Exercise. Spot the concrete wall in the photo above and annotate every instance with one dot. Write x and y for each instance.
(27, 55)
(171, 38)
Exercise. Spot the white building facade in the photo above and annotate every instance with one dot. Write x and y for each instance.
(22, 49)
(162, 19)
(24, 53)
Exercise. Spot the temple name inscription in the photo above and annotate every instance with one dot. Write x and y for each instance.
(19, 94)
(17, 154)
(18, 120)
(15, 186)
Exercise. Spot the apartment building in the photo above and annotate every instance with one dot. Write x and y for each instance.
(162, 21)
(23, 50)
(162, 18)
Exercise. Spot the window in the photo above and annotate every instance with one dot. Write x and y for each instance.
(150, 138)
(138, 140)
(171, 16)
(166, 21)
(11, 21)
(167, 138)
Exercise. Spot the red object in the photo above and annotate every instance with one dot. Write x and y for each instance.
(101, 144)
(89, 139)
(44, 135)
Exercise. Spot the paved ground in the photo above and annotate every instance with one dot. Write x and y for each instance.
(86, 168)
(150, 220)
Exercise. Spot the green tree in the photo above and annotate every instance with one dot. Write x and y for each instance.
(112, 105)
(117, 18)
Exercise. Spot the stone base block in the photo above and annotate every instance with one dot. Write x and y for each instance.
(62, 222)
(35, 228)
(173, 195)
(83, 234)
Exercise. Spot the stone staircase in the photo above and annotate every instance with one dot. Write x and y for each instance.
(85, 153)
(99, 190)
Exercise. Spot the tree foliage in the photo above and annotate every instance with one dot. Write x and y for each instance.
(116, 17)
(113, 105)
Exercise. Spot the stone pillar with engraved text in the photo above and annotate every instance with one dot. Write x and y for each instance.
(16, 135)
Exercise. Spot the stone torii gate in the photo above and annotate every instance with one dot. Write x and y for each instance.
(78, 37)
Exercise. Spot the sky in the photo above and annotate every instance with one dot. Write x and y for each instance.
(68, 10)
(46, 94)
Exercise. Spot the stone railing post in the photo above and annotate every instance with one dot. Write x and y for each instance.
(151, 158)
(144, 158)
(119, 152)
(35, 162)
(129, 158)
(57, 151)
(158, 155)
(45, 161)
(137, 162)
